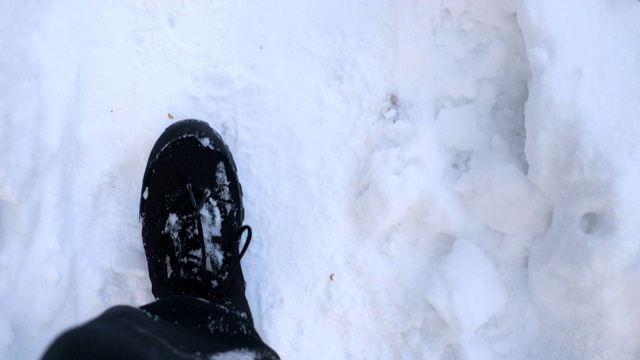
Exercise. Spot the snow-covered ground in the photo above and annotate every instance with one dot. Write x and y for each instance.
(425, 180)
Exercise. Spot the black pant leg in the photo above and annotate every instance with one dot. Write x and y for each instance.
(176, 327)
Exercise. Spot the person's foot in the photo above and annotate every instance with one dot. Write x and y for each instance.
(191, 213)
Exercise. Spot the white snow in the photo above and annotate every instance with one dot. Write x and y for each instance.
(501, 196)
(206, 142)
(211, 219)
(222, 188)
(467, 290)
(235, 355)
(172, 226)
(430, 179)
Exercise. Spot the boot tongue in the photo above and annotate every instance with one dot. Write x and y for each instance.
(187, 253)
(186, 268)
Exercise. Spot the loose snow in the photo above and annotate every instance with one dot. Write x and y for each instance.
(211, 219)
(425, 180)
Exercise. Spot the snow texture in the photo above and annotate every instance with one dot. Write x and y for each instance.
(211, 219)
(463, 281)
(235, 355)
(446, 179)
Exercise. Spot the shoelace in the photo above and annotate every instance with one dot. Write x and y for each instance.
(203, 263)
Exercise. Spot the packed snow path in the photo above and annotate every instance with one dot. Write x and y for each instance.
(435, 179)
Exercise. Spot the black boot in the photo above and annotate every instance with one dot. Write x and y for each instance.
(191, 213)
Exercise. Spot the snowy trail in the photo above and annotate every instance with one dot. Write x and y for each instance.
(583, 272)
(402, 205)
